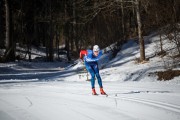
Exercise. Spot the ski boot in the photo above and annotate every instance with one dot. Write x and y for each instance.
(102, 91)
(94, 91)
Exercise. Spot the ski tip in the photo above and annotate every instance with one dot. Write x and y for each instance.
(105, 95)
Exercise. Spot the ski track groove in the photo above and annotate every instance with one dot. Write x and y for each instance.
(158, 104)
(152, 103)
(85, 115)
(115, 96)
(93, 104)
(19, 113)
(30, 102)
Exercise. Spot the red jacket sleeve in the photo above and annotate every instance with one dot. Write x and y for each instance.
(82, 53)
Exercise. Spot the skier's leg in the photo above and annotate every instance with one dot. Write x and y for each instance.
(96, 70)
(91, 71)
(99, 80)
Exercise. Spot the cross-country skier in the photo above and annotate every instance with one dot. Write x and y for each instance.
(91, 58)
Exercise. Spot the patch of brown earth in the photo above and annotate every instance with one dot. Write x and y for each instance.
(167, 75)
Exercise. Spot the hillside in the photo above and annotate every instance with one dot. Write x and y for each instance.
(59, 91)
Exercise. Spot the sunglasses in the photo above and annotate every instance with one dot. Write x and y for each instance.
(96, 51)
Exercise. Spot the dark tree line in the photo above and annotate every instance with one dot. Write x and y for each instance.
(79, 24)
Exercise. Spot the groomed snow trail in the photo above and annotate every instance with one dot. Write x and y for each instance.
(73, 100)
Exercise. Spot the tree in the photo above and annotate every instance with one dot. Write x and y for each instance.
(2, 24)
(10, 44)
(81, 23)
(141, 40)
(103, 7)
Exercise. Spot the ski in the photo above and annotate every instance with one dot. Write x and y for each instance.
(103, 95)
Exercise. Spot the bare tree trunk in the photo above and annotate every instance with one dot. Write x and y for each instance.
(7, 23)
(160, 38)
(123, 24)
(177, 41)
(45, 37)
(51, 52)
(73, 40)
(57, 41)
(10, 44)
(134, 21)
(66, 38)
(75, 27)
(141, 40)
(160, 34)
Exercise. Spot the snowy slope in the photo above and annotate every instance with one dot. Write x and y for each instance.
(58, 94)
(124, 66)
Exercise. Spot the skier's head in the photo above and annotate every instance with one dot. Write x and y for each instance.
(96, 50)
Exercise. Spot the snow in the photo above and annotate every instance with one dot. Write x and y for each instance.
(59, 91)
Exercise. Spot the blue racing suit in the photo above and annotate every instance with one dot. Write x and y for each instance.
(91, 63)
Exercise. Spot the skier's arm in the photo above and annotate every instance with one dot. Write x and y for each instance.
(82, 54)
(87, 59)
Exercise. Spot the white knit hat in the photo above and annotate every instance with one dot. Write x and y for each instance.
(96, 48)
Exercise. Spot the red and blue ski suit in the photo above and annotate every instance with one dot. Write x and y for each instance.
(91, 63)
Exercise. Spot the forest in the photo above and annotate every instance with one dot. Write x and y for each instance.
(67, 26)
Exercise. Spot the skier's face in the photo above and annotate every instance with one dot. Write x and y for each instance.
(96, 53)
